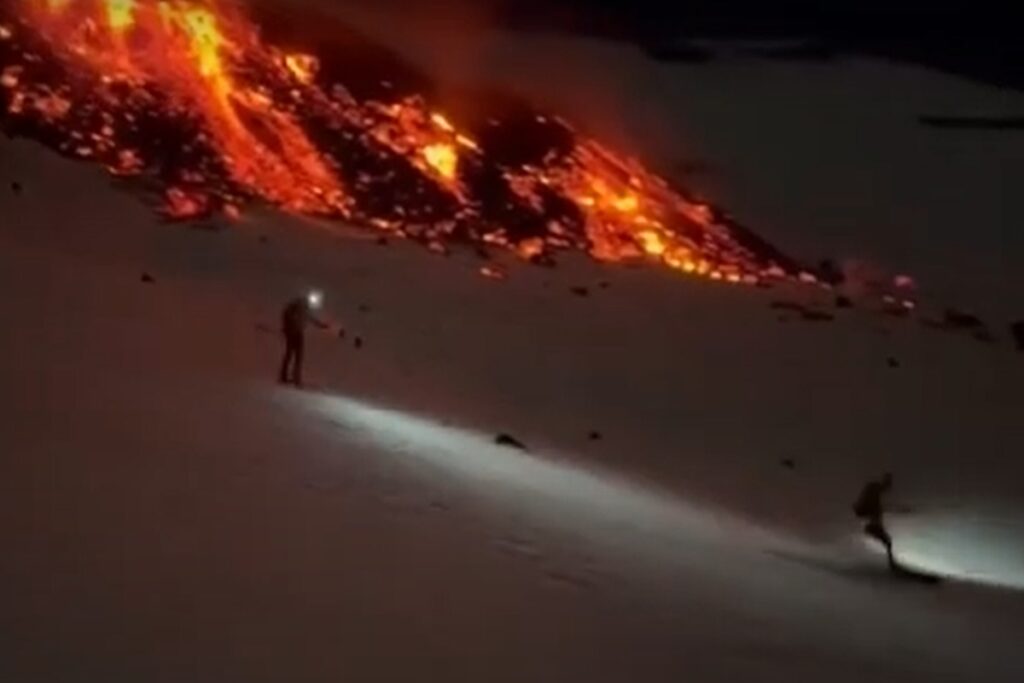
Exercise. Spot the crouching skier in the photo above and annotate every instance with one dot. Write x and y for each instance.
(869, 508)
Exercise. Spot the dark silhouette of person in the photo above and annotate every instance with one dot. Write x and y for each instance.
(295, 317)
(870, 508)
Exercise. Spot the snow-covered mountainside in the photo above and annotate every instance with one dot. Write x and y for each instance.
(167, 512)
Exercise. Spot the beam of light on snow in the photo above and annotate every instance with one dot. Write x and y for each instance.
(954, 545)
(963, 544)
(562, 491)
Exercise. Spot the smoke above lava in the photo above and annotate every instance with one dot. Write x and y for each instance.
(190, 98)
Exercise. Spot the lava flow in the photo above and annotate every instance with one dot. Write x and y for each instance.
(189, 95)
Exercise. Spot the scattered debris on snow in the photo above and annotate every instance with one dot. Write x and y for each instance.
(816, 316)
(1017, 330)
(956, 320)
(504, 439)
(492, 272)
(961, 320)
(984, 335)
(894, 307)
(787, 306)
(805, 312)
(830, 273)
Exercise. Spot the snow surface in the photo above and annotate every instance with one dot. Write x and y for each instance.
(168, 513)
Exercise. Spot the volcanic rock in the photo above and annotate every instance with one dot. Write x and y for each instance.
(510, 441)
(894, 308)
(805, 312)
(1017, 330)
(816, 316)
(829, 272)
(788, 306)
(892, 362)
(16, 187)
(147, 278)
(984, 335)
(580, 291)
(518, 171)
(961, 320)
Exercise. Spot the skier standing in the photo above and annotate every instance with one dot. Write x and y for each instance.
(294, 319)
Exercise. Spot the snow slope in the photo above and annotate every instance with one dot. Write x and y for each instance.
(168, 513)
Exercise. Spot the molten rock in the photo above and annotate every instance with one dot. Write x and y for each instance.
(212, 114)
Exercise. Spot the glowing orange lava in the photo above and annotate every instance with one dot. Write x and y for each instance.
(186, 49)
(255, 122)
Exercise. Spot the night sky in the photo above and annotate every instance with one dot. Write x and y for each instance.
(755, 16)
(977, 39)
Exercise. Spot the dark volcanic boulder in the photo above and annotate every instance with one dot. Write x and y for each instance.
(961, 320)
(1017, 330)
(510, 441)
